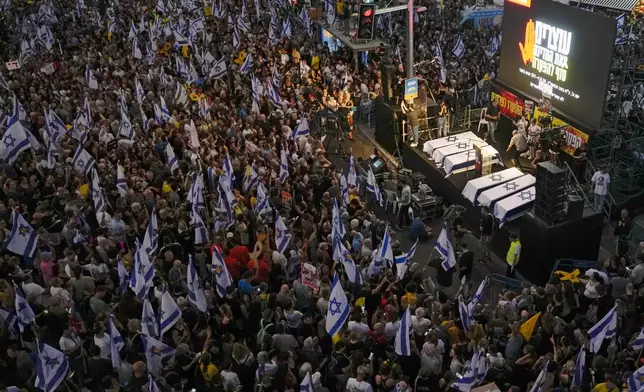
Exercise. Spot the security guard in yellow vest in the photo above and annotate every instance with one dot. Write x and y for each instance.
(512, 258)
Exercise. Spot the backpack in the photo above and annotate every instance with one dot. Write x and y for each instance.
(262, 333)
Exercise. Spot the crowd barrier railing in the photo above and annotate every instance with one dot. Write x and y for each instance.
(569, 265)
(498, 284)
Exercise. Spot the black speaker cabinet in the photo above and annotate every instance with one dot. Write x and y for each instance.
(550, 198)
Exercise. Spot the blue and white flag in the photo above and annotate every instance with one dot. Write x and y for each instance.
(372, 186)
(338, 225)
(402, 345)
(55, 126)
(482, 367)
(384, 253)
(14, 140)
(286, 28)
(201, 232)
(116, 343)
(172, 159)
(180, 39)
(276, 76)
(638, 343)
(133, 33)
(274, 96)
(139, 93)
(620, 21)
(83, 161)
(24, 313)
(181, 95)
(478, 296)
(494, 45)
(338, 310)
(97, 194)
(164, 108)
(142, 274)
(243, 26)
(251, 179)
(261, 204)
(343, 256)
(283, 166)
(218, 69)
(223, 279)
(121, 183)
(352, 177)
(307, 383)
(152, 385)
(282, 234)
(412, 252)
(9, 322)
(22, 239)
(149, 324)
(344, 191)
(247, 66)
(459, 48)
(302, 128)
(155, 352)
(469, 379)
(541, 379)
(604, 329)
(151, 237)
(51, 368)
(464, 313)
(445, 250)
(580, 368)
(195, 288)
(124, 277)
(126, 129)
(18, 109)
(195, 195)
(170, 312)
(636, 380)
(92, 82)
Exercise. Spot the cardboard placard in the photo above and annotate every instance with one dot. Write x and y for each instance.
(49, 68)
(310, 276)
(13, 65)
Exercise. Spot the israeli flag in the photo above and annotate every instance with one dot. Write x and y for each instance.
(170, 312)
(302, 129)
(466, 317)
(482, 367)
(163, 79)
(97, 193)
(124, 277)
(445, 250)
(18, 109)
(181, 95)
(182, 68)
(151, 238)
(145, 124)
(286, 28)
(307, 383)
(55, 126)
(638, 343)
(125, 127)
(180, 39)
(247, 66)
(142, 273)
(24, 313)
(235, 37)
(343, 256)
(164, 108)
(372, 186)
(204, 108)
(352, 177)
(262, 200)
(635, 381)
(201, 232)
(139, 93)
(459, 48)
(121, 183)
(412, 252)
(338, 310)
(149, 325)
(116, 343)
(282, 234)
(383, 253)
(274, 96)
(283, 166)
(195, 288)
(468, 380)
(243, 26)
(402, 345)
(344, 191)
(159, 118)
(330, 12)
(92, 82)
(580, 368)
(478, 296)
(620, 22)
(218, 69)
(541, 379)
(172, 159)
(604, 329)
(338, 225)
(195, 195)
(136, 51)
(223, 280)
(8, 321)
(14, 140)
(160, 7)
(83, 161)
(22, 239)
(152, 385)
(251, 179)
(155, 352)
(438, 54)
(51, 368)
(133, 33)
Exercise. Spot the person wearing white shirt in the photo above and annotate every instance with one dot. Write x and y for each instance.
(356, 325)
(601, 181)
(102, 341)
(358, 384)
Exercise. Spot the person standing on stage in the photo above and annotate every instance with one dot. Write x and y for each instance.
(409, 109)
(492, 117)
(518, 145)
(512, 258)
(487, 230)
(443, 112)
(601, 181)
(404, 220)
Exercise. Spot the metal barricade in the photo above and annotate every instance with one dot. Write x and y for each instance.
(569, 265)
(498, 284)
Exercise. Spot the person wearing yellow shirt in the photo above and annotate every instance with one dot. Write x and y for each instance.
(607, 386)
(207, 368)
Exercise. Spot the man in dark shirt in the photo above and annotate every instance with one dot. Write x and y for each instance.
(487, 229)
(492, 117)
(98, 367)
(465, 263)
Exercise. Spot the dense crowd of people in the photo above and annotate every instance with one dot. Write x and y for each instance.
(170, 223)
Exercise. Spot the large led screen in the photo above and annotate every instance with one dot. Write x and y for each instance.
(562, 51)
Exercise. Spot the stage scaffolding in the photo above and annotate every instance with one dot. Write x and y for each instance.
(617, 146)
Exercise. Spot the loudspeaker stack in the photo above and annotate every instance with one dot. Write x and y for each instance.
(550, 200)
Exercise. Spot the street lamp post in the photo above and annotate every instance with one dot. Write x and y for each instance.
(410, 38)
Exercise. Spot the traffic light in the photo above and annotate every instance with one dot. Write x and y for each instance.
(366, 22)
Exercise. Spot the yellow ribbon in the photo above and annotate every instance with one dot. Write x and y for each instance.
(571, 276)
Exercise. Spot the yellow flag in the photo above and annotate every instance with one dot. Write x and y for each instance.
(185, 51)
(528, 327)
(335, 338)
